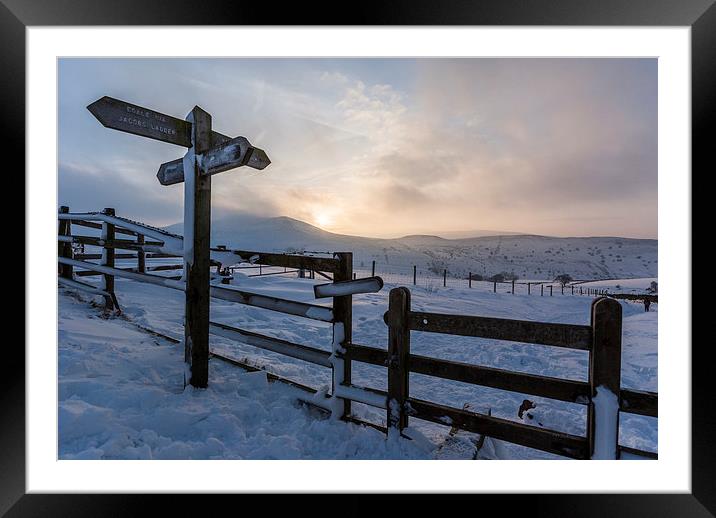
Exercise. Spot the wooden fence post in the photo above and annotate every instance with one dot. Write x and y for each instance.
(398, 355)
(562, 289)
(550, 290)
(108, 233)
(415, 274)
(372, 269)
(604, 379)
(141, 255)
(64, 228)
(342, 327)
(197, 232)
(494, 286)
(469, 280)
(513, 286)
(444, 278)
(541, 290)
(529, 288)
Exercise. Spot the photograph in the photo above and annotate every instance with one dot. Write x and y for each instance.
(342, 253)
(357, 258)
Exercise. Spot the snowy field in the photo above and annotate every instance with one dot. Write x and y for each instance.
(635, 286)
(121, 389)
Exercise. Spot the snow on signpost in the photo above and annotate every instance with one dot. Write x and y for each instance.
(343, 288)
(209, 153)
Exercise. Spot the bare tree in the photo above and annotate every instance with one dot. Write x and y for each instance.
(563, 279)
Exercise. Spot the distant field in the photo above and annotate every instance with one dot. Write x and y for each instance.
(623, 285)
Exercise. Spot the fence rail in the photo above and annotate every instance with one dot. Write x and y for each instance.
(559, 335)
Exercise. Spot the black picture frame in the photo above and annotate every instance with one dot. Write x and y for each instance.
(700, 15)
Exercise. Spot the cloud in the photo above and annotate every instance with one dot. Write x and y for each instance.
(85, 189)
(334, 78)
(405, 147)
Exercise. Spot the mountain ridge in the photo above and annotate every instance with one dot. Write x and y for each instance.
(526, 255)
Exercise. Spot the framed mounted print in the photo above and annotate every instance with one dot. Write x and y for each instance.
(326, 257)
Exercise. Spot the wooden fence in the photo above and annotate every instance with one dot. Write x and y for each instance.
(602, 339)
(339, 267)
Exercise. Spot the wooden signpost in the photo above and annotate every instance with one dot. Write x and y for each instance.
(209, 153)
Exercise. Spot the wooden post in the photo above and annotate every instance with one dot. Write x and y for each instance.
(108, 234)
(64, 228)
(541, 290)
(604, 379)
(469, 280)
(398, 355)
(562, 289)
(572, 289)
(197, 232)
(415, 274)
(372, 269)
(550, 290)
(141, 255)
(580, 290)
(342, 327)
(529, 288)
(494, 286)
(513, 286)
(444, 278)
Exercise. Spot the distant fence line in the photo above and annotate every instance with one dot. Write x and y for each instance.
(429, 280)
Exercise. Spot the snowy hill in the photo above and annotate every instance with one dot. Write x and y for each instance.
(528, 256)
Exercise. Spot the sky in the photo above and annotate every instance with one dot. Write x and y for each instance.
(382, 147)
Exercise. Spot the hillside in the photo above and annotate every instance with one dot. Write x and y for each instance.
(528, 256)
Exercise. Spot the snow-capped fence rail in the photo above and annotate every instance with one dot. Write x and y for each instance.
(601, 394)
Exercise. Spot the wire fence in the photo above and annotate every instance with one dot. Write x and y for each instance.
(424, 278)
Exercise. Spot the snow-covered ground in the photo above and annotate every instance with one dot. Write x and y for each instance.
(121, 393)
(636, 286)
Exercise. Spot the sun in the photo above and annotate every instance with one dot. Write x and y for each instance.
(322, 219)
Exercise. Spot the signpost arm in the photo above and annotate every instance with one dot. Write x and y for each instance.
(197, 233)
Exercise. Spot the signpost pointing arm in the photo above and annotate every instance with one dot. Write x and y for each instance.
(130, 118)
(228, 155)
(209, 153)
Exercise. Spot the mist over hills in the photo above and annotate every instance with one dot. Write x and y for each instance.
(528, 256)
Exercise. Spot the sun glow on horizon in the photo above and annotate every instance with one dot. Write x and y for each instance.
(322, 219)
